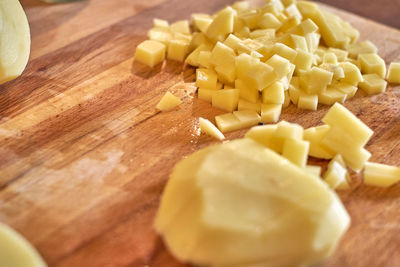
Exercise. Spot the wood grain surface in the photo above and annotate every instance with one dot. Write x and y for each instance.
(84, 154)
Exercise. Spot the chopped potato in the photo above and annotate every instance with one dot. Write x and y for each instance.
(372, 63)
(382, 175)
(393, 75)
(150, 53)
(168, 102)
(207, 127)
(373, 84)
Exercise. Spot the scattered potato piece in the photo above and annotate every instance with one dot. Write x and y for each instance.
(373, 84)
(287, 130)
(315, 135)
(247, 118)
(382, 175)
(309, 102)
(273, 94)
(226, 99)
(364, 47)
(337, 176)
(313, 170)
(177, 50)
(394, 73)
(270, 112)
(372, 63)
(207, 127)
(296, 151)
(168, 102)
(150, 53)
(206, 78)
(246, 105)
(205, 94)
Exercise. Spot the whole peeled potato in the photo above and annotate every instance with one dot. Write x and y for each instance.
(15, 40)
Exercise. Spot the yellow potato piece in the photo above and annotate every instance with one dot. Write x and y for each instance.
(247, 118)
(331, 96)
(382, 175)
(246, 105)
(16, 251)
(393, 75)
(168, 102)
(372, 63)
(309, 102)
(270, 113)
(160, 23)
(352, 74)
(287, 130)
(296, 151)
(315, 135)
(337, 176)
(204, 59)
(313, 170)
(205, 94)
(226, 99)
(272, 200)
(150, 53)
(265, 135)
(207, 127)
(248, 93)
(162, 35)
(227, 122)
(273, 94)
(222, 24)
(364, 47)
(315, 80)
(373, 84)
(269, 21)
(15, 40)
(181, 26)
(177, 50)
(206, 78)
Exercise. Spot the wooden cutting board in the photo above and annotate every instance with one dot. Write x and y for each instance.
(84, 155)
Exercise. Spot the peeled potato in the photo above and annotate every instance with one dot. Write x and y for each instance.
(15, 40)
(15, 251)
(241, 204)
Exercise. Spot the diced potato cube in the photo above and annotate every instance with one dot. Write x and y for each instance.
(313, 170)
(341, 55)
(338, 72)
(382, 175)
(331, 96)
(204, 59)
(280, 65)
(348, 89)
(207, 127)
(160, 23)
(298, 42)
(205, 94)
(222, 24)
(162, 35)
(234, 42)
(303, 60)
(287, 130)
(181, 26)
(241, 5)
(352, 74)
(373, 84)
(284, 51)
(292, 11)
(273, 94)
(260, 75)
(340, 117)
(372, 63)
(296, 151)
(265, 135)
(266, 34)
(168, 102)
(247, 118)
(198, 39)
(206, 78)
(201, 22)
(193, 58)
(270, 112)
(246, 105)
(223, 57)
(243, 62)
(294, 90)
(309, 102)
(251, 18)
(364, 47)
(226, 99)
(314, 135)
(394, 73)
(286, 101)
(227, 122)
(316, 80)
(150, 53)
(289, 24)
(269, 21)
(312, 41)
(246, 92)
(336, 175)
(330, 58)
(177, 50)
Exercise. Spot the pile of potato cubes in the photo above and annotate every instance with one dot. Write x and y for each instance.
(254, 61)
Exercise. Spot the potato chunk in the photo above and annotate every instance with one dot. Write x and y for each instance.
(15, 40)
(337, 176)
(372, 63)
(207, 127)
(150, 53)
(226, 99)
(394, 73)
(168, 102)
(382, 175)
(240, 202)
(373, 84)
